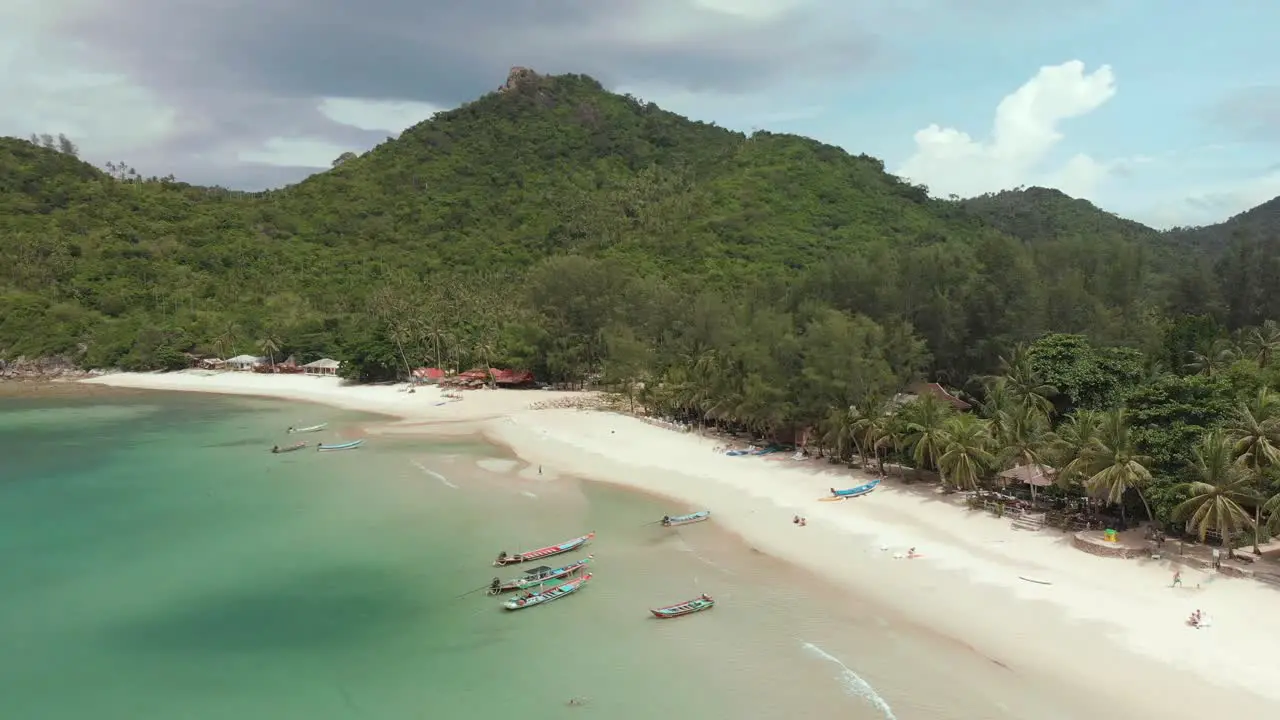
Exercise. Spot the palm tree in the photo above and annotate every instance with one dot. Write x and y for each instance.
(926, 419)
(270, 347)
(1254, 430)
(227, 339)
(1026, 440)
(1023, 384)
(1210, 357)
(966, 451)
(863, 426)
(996, 406)
(1215, 502)
(837, 431)
(1272, 506)
(1075, 447)
(1118, 466)
(1262, 343)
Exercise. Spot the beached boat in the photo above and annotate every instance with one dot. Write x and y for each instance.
(674, 520)
(688, 607)
(856, 491)
(537, 576)
(341, 446)
(530, 599)
(548, 551)
(313, 428)
(288, 448)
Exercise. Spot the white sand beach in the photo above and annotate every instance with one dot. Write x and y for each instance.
(1104, 625)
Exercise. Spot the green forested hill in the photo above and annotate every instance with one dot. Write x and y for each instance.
(766, 282)
(114, 269)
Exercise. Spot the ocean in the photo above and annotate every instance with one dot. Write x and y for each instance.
(157, 561)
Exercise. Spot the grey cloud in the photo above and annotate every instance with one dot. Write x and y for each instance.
(239, 72)
(1251, 113)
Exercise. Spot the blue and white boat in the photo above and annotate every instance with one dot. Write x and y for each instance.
(342, 446)
(674, 520)
(555, 593)
(856, 491)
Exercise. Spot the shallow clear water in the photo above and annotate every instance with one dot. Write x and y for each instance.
(157, 562)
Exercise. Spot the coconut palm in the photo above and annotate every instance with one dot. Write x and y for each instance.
(1118, 466)
(269, 346)
(1211, 357)
(996, 406)
(926, 419)
(1026, 441)
(1023, 384)
(1217, 498)
(864, 427)
(1254, 430)
(837, 431)
(1074, 447)
(1262, 343)
(966, 453)
(1272, 506)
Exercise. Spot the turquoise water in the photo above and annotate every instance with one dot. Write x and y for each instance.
(159, 563)
(156, 561)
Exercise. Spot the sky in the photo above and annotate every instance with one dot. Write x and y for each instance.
(1164, 112)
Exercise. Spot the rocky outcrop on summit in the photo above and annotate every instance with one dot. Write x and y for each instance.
(517, 77)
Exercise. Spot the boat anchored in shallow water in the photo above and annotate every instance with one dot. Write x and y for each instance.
(688, 607)
(311, 428)
(276, 450)
(546, 596)
(564, 547)
(537, 576)
(341, 446)
(674, 520)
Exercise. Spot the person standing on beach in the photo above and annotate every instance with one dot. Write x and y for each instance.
(1177, 579)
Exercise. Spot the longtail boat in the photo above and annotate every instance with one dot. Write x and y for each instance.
(288, 448)
(548, 551)
(674, 520)
(537, 576)
(688, 607)
(530, 599)
(312, 428)
(342, 446)
(856, 491)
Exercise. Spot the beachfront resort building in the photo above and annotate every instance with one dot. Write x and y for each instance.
(244, 362)
(323, 366)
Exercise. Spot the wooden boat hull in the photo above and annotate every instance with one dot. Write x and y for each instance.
(688, 607)
(313, 428)
(549, 551)
(689, 519)
(291, 448)
(344, 446)
(856, 491)
(528, 581)
(545, 597)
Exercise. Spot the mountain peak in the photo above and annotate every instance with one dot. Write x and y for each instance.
(519, 76)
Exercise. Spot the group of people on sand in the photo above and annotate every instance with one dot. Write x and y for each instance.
(797, 520)
(1198, 619)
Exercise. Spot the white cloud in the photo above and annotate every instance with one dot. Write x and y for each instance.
(390, 115)
(294, 152)
(1215, 203)
(1024, 132)
(48, 87)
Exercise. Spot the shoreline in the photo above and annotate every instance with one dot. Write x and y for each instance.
(966, 585)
